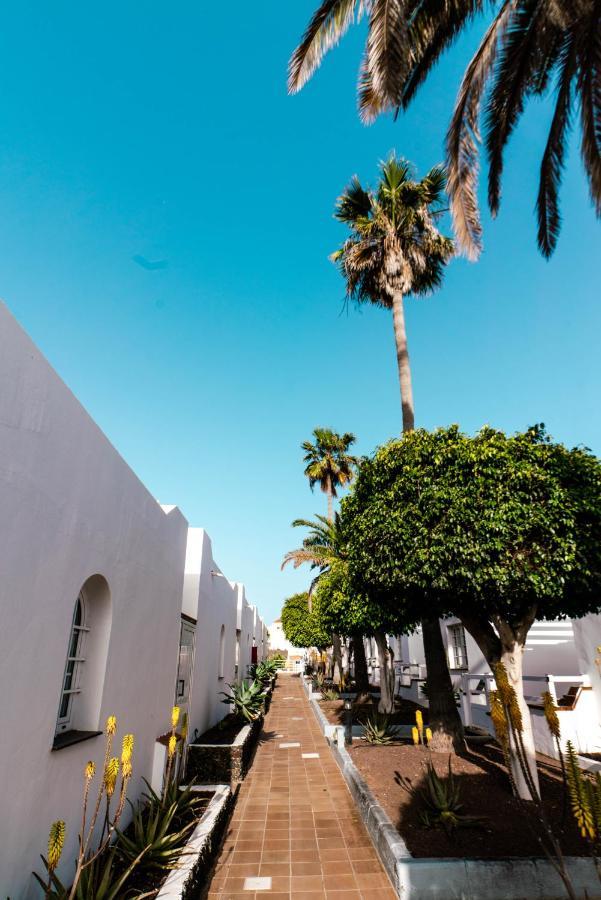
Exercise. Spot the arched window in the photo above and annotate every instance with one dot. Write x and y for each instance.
(221, 671)
(73, 665)
(85, 666)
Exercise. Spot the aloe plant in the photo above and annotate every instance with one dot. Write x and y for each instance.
(246, 698)
(441, 801)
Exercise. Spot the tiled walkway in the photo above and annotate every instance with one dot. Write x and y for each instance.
(295, 832)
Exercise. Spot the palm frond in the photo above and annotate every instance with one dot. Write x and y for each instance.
(589, 87)
(433, 29)
(463, 138)
(324, 31)
(547, 208)
(388, 51)
(518, 60)
(354, 203)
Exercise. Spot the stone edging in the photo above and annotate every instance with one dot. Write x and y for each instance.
(453, 879)
(184, 882)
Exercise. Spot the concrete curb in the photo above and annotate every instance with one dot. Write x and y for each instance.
(454, 879)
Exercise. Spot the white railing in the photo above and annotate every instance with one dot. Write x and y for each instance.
(544, 683)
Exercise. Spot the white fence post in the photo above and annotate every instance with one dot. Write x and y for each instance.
(466, 700)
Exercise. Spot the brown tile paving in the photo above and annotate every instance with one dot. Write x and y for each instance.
(295, 820)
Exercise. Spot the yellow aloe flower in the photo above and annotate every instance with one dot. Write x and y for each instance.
(111, 725)
(420, 721)
(174, 716)
(551, 714)
(172, 745)
(90, 770)
(415, 735)
(110, 776)
(428, 734)
(56, 842)
(497, 715)
(127, 748)
(126, 769)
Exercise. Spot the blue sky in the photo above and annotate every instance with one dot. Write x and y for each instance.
(166, 133)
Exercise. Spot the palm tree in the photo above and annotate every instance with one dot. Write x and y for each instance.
(394, 249)
(328, 462)
(323, 547)
(529, 45)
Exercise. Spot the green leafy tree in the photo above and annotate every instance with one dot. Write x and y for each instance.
(394, 249)
(328, 462)
(495, 530)
(299, 626)
(526, 48)
(337, 605)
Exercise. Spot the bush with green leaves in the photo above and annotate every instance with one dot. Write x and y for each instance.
(379, 730)
(246, 699)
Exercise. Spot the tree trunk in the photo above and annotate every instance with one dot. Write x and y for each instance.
(361, 676)
(506, 645)
(444, 719)
(402, 355)
(512, 657)
(336, 658)
(386, 704)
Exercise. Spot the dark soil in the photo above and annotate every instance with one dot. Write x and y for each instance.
(224, 732)
(510, 828)
(404, 713)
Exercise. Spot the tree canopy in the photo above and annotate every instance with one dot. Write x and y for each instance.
(300, 627)
(495, 529)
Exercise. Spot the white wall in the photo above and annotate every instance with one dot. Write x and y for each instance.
(71, 508)
(212, 601)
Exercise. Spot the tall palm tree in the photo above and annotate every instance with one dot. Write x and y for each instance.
(528, 46)
(394, 249)
(322, 547)
(328, 462)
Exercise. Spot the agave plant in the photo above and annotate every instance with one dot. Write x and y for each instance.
(330, 694)
(378, 730)
(246, 698)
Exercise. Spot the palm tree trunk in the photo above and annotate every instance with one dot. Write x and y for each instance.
(446, 726)
(444, 719)
(402, 356)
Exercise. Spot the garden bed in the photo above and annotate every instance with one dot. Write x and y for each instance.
(187, 880)
(485, 792)
(223, 754)
(404, 713)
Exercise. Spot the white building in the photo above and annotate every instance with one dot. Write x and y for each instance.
(109, 605)
(295, 656)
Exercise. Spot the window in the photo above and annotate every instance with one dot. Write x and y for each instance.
(457, 647)
(72, 679)
(82, 686)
